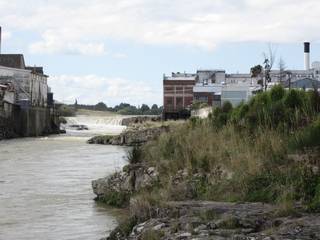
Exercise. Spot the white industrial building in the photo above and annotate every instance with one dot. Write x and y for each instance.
(30, 84)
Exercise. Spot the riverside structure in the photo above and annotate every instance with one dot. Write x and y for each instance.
(214, 87)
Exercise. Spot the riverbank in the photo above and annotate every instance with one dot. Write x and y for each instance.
(247, 155)
(205, 220)
(136, 133)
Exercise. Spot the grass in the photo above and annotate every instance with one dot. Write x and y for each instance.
(152, 235)
(239, 154)
(95, 113)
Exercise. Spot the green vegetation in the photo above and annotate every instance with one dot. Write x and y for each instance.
(243, 153)
(152, 235)
(67, 111)
(198, 105)
(117, 199)
(123, 108)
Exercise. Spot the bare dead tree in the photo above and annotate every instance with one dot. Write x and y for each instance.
(269, 59)
(282, 70)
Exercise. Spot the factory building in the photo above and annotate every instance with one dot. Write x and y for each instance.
(178, 94)
(214, 87)
(30, 83)
(26, 102)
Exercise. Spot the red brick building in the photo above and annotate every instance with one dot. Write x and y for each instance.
(178, 95)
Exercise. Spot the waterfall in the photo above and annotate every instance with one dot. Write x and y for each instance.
(96, 124)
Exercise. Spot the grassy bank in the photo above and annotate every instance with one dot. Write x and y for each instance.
(245, 153)
(262, 151)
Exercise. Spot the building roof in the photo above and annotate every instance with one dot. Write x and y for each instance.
(210, 88)
(35, 69)
(12, 61)
(309, 83)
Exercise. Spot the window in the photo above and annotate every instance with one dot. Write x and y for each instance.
(179, 101)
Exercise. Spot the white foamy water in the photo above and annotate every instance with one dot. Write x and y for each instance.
(45, 184)
(96, 124)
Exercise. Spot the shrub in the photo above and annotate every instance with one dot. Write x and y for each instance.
(306, 138)
(277, 93)
(134, 155)
(226, 107)
(123, 230)
(117, 199)
(293, 99)
(152, 235)
(66, 111)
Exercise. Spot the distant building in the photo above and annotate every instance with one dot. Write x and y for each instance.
(30, 83)
(236, 94)
(208, 93)
(214, 87)
(177, 94)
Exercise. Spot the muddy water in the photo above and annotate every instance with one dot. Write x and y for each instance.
(45, 187)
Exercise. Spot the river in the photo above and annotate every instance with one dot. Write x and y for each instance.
(45, 184)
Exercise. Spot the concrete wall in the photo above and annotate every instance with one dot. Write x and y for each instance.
(35, 122)
(31, 122)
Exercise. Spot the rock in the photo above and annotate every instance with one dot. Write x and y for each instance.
(184, 235)
(130, 137)
(139, 119)
(159, 226)
(134, 178)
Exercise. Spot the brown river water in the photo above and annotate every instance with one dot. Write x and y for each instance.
(45, 186)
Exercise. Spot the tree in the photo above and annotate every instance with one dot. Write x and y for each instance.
(154, 107)
(256, 71)
(269, 59)
(282, 70)
(144, 109)
(101, 106)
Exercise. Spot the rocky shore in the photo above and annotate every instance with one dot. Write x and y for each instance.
(131, 137)
(202, 220)
(139, 120)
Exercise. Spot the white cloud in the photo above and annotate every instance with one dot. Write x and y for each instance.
(79, 26)
(120, 55)
(91, 89)
(53, 43)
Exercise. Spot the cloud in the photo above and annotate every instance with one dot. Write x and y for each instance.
(120, 55)
(6, 35)
(53, 43)
(91, 89)
(83, 25)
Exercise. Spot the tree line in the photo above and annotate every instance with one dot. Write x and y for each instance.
(122, 108)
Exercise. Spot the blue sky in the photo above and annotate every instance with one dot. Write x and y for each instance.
(102, 50)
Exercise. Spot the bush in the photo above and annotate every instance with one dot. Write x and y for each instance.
(306, 138)
(277, 93)
(152, 235)
(66, 111)
(293, 99)
(117, 199)
(227, 107)
(134, 155)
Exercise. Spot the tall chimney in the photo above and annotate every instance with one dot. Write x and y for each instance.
(307, 56)
(0, 38)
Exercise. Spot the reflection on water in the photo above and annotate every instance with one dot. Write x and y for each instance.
(45, 188)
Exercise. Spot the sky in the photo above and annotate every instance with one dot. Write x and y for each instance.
(117, 51)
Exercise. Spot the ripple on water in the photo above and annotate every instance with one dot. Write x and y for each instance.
(46, 191)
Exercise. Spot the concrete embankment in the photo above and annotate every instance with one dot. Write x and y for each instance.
(29, 123)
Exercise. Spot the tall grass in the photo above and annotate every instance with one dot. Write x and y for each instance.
(241, 154)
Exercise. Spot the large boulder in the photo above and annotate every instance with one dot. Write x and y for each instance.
(116, 189)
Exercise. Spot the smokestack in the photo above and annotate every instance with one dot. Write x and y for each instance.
(307, 56)
(0, 38)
